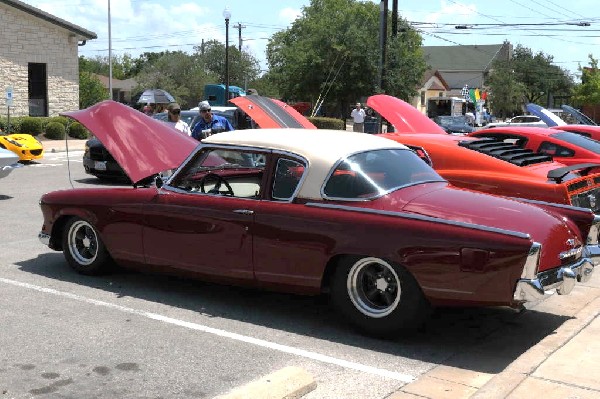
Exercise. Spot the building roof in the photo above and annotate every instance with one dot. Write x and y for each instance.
(440, 84)
(36, 12)
(463, 58)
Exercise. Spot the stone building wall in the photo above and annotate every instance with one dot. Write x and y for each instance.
(27, 39)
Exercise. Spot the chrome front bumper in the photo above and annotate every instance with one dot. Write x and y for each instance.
(44, 238)
(561, 279)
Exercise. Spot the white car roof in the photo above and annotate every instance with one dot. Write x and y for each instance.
(321, 148)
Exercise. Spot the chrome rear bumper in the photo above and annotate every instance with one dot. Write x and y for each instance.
(561, 279)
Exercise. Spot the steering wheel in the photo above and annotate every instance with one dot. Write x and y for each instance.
(219, 180)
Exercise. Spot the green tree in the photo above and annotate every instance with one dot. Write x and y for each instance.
(91, 90)
(332, 50)
(506, 92)
(181, 74)
(541, 79)
(588, 92)
(243, 67)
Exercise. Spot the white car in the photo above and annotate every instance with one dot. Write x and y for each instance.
(8, 161)
(521, 120)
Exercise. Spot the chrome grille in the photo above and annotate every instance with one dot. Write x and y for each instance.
(589, 199)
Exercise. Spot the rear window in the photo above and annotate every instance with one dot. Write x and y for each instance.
(579, 140)
(374, 173)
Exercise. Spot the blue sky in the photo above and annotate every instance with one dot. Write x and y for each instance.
(145, 25)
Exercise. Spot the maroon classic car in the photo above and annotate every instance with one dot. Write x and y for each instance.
(312, 211)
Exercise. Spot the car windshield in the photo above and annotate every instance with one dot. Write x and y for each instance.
(579, 140)
(374, 173)
(452, 120)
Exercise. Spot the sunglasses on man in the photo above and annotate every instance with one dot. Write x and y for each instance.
(175, 111)
(205, 110)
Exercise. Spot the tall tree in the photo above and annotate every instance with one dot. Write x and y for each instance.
(506, 92)
(91, 90)
(243, 67)
(588, 92)
(332, 51)
(540, 77)
(181, 74)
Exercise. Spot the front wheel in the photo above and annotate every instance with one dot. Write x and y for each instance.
(379, 297)
(84, 250)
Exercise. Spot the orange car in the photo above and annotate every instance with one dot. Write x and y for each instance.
(489, 166)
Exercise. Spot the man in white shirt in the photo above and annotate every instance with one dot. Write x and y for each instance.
(174, 119)
(358, 117)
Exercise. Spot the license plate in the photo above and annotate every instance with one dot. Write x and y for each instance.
(100, 165)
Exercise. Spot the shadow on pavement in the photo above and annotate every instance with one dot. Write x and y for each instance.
(480, 339)
(5, 197)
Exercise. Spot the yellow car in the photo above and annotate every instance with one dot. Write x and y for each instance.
(25, 146)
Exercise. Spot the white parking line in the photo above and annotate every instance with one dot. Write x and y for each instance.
(222, 333)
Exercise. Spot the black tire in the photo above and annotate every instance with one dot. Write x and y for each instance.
(84, 250)
(378, 297)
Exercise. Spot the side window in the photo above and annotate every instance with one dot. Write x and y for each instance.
(288, 173)
(555, 150)
(225, 172)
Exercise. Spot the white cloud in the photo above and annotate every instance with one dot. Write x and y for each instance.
(289, 15)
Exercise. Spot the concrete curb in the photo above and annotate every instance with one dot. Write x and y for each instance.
(501, 385)
(287, 383)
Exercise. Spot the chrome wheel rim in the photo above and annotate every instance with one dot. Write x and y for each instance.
(374, 287)
(83, 243)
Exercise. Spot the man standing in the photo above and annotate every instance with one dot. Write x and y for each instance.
(209, 124)
(358, 118)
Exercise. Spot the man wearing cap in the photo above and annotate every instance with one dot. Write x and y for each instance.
(209, 124)
(174, 119)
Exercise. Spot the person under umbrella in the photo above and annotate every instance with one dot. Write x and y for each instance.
(209, 123)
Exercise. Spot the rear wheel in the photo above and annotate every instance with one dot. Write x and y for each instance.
(84, 250)
(379, 297)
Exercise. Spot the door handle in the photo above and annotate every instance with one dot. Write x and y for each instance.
(244, 211)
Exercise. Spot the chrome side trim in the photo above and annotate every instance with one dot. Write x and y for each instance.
(421, 218)
(561, 279)
(554, 204)
(44, 238)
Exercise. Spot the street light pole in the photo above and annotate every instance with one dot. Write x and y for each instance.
(227, 16)
(109, 55)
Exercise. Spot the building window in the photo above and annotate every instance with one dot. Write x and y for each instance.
(38, 89)
(422, 99)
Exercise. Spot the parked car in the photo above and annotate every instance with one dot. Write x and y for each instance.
(26, 146)
(565, 147)
(454, 124)
(521, 120)
(585, 127)
(99, 162)
(315, 211)
(8, 162)
(477, 164)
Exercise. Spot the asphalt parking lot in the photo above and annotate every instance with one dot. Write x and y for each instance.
(135, 335)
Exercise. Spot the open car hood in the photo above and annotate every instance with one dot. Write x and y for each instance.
(579, 116)
(404, 117)
(141, 145)
(269, 113)
(546, 116)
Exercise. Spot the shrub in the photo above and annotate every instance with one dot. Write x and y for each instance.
(60, 119)
(15, 125)
(328, 123)
(55, 131)
(78, 131)
(30, 125)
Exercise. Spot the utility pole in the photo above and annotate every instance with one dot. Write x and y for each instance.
(239, 27)
(394, 18)
(382, 43)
